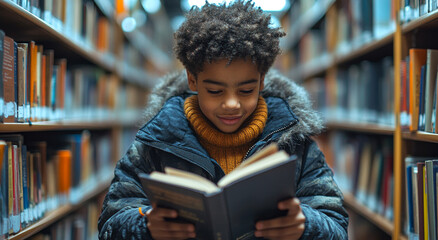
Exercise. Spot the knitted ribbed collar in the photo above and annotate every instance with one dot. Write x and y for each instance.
(210, 134)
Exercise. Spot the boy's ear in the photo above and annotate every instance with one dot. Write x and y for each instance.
(262, 82)
(191, 79)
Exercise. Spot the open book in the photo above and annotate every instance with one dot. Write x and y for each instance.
(230, 209)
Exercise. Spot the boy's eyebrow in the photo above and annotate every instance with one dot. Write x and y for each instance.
(223, 84)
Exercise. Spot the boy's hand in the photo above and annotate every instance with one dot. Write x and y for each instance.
(162, 229)
(288, 227)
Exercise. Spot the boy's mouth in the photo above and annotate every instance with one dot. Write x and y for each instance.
(231, 120)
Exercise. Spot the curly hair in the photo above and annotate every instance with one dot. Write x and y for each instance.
(214, 32)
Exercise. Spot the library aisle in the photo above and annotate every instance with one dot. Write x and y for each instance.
(75, 76)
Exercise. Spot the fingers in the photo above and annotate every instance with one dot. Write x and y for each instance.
(281, 222)
(292, 204)
(160, 213)
(161, 229)
(290, 226)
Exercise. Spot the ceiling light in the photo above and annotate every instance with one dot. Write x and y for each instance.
(129, 24)
(151, 6)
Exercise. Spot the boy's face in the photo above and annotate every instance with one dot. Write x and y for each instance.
(227, 94)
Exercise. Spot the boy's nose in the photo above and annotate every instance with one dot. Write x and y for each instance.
(232, 103)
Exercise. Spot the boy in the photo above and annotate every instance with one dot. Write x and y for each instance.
(239, 108)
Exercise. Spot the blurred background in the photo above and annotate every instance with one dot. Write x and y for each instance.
(76, 75)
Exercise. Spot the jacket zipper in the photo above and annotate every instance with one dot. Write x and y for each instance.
(272, 133)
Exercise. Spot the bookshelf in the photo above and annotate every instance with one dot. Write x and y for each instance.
(102, 86)
(378, 220)
(57, 214)
(413, 134)
(349, 46)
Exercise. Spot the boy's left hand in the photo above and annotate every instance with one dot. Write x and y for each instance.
(288, 227)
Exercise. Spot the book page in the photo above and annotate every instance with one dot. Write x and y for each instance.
(189, 175)
(203, 186)
(257, 166)
(266, 151)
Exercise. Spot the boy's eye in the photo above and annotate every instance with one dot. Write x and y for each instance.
(247, 91)
(214, 91)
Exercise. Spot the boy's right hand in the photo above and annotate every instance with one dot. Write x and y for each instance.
(162, 229)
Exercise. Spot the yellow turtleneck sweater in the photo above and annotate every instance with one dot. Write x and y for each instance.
(228, 149)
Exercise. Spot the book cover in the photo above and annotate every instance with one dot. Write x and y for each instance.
(417, 58)
(420, 192)
(50, 59)
(8, 80)
(430, 86)
(21, 76)
(411, 194)
(4, 186)
(25, 180)
(425, 206)
(2, 37)
(431, 169)
(223, 211)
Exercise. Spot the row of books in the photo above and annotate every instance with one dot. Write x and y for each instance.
(363, 166)
(421, 197)
(359, 22)
(81, 225)
(77, 19)
(38, 87)
(346, 28)
(32, 80)
(38, 176)
(413, 9)
(361, 93)
(418, 90)
(81, 22)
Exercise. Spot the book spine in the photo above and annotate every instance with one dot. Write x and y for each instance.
(217, 213)
(8, 79)
(25, 183)
(431, 198)
(2, 36)
(15, 81)
(5, 194)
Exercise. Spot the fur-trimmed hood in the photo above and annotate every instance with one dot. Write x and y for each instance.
(277, 85)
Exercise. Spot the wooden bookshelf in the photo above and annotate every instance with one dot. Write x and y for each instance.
(15, 17)
(313, 68)
(377, 219)
(112, 121)
(320, 65)
(429, 20)
(61, 126)
(368, 128)
(420, 136)
(138, 39)
(372, 46)
(343, 54)
(54, 216)
(306, 22)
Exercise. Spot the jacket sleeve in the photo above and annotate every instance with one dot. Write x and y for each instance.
(321, 199)
(120, 217)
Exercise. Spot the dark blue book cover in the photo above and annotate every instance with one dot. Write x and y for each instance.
(25, 179)
(5, 195)
(225, 212)
(410, 203)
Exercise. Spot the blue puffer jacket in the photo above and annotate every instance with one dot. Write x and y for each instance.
(167, 140)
